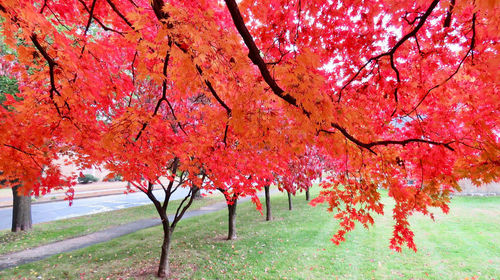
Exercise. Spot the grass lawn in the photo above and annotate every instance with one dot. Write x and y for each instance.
(62, 229)
(295, 245)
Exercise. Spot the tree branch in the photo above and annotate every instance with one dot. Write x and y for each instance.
(31, 155)
(157, 6)
(470, 51)
(115, 9)
(178, 216)
(257, 60)
(106, 28)
(19, 150)
(163, 96)
(254, 55)
(52, 64)
(91, 15)
(206, 81)
(168, 191)
(157, 204)
(370, 145)
(392, 51)
(447, 20)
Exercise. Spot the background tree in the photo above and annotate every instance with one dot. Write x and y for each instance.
(21, 204)
(236, 177)
(267, 194)
(302, 170)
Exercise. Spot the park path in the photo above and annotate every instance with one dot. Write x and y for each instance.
(67, 245)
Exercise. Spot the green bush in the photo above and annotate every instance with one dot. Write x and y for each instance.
(87, 178)
(116, 178)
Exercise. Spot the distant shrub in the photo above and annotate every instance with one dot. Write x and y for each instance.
(116, 178)
(87, 178)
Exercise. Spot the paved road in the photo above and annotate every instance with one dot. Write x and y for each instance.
(50, 211)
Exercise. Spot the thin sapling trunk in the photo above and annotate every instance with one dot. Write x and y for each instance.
(290, 206)
(167, 224)
(232, 202)
(231, 233)
(268, 204)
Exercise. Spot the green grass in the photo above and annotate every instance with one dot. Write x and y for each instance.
(295, 245)
(63, 229)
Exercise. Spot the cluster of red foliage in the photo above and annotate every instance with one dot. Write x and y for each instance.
(237, 96)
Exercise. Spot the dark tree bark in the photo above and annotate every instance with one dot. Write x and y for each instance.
(290, 206)
(268, 204)
(164, 266)
(168, 228)
(161, 208)
(197, 194)
(307, 194)
(231, 234)
(232, 202)
(21, 211)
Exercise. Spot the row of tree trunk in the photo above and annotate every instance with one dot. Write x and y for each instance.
(232, 203)
(268, 202)
(21, 211)
(22, 221)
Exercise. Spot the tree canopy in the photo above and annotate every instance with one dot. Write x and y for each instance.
(385, 93)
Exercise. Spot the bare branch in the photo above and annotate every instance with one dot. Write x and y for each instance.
(181, 181)
(168, 191)
(150, 194)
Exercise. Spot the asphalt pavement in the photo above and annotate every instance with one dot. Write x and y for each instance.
(51, 211)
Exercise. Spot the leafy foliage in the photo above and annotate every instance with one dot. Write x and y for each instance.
(383, 91)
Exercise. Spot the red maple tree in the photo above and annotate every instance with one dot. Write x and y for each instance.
(388, 91)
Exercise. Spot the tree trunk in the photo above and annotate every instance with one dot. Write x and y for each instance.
(231, 235)
(289, 201)
(268, 204)
(307, 194)
(197, 194)
(21, 211)
(164, 268)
